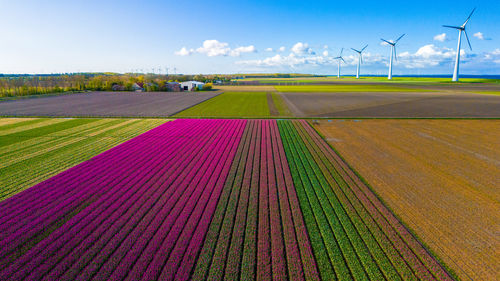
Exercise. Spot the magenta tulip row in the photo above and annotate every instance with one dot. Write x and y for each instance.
(137, 211)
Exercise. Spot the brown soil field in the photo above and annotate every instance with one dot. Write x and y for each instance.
(398, 104)
(441, 177)
(104, 104)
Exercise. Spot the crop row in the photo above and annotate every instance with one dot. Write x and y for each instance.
(132, 212)
(258, 232)
(32, 154)
(354, 235)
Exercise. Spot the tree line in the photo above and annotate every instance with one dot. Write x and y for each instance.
(24, 85)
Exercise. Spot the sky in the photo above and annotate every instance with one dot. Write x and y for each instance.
(200, 37)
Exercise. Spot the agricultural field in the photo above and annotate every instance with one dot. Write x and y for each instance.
(34, 149)
(439, 176)
(392, 104)
(209, 200)
(105, 104)
(383, 79)
(349, 88)
(239, 105)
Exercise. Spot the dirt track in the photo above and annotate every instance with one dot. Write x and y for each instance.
(105, 104)
(404, 104)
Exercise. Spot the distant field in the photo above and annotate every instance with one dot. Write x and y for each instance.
(438, 176)
(105, 104)
(239, 104)
(244, 88)
(369, 79)
(487, 93)
(346, 88)
(392, 104)
(34, 149)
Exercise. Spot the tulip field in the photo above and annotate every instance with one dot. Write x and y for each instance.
(210, 199)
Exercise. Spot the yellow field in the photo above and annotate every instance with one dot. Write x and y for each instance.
(441, 177)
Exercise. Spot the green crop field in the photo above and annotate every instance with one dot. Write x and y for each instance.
(34, 149)
(486, 93)
(231, 104)
(346, 88)
(312, 80)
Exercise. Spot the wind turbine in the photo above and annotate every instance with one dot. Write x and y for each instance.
(460, 29)
(340, 58)
(360, 59)
(393, 53)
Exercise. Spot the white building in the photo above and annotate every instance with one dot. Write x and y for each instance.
(192, 85)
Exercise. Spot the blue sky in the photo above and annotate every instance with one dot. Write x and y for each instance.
(237, 36)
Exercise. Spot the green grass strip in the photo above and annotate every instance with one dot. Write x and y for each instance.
(231, 104)
(281, 105)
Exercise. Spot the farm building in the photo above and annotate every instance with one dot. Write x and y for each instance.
(192, 85)
(138, 87)
(174, 87)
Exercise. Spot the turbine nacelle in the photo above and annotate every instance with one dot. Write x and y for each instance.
(360, 52)
(462, 27)
(393, 44)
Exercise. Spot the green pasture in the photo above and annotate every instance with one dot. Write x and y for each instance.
(236, 105)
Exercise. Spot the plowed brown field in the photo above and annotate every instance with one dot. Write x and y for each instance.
(441, 177)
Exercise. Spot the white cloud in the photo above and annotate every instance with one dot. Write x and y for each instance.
(429, 56)
(441, 37)
(282, 49)
(383, 43)
(301, 49)
(184, 52)
(291, 60)
(325, 53)
(213, 48)
(479, 35)
(493, 56)
(269, 49)
(325, 47)
(240, 50)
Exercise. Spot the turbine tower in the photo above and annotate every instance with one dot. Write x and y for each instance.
(360, 59)
(393, 53)
(460, 29)
(340, 58)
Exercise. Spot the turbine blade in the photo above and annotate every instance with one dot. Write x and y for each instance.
(451, 26)
(400, 38)
(341, 51)
(390, 43)
(343, 59)
(355, 50)
(467, 36)
(364, 48)
(468, 18)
